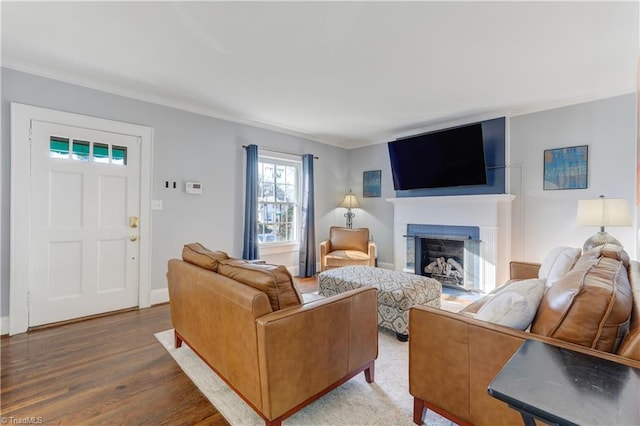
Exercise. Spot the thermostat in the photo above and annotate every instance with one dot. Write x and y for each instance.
(193, 187)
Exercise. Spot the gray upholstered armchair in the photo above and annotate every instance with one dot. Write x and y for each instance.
(347, 247)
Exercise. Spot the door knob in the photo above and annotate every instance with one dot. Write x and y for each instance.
(133, 237)
(133, 221)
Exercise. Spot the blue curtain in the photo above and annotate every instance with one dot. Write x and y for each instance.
(307, 264)
(250, 247)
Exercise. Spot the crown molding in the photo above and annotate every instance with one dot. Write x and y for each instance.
(166, 101)
(197, 108)
(546, 106)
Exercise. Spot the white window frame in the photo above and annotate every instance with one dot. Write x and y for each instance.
(275, 247)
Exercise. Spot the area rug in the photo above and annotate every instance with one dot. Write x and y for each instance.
(356, 402)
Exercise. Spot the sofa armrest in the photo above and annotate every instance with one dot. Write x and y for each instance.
(453, 358)
(372, 253)
(523, 270)
(325, 248)
(295, 367)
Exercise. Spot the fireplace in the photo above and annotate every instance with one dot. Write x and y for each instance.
(490, 214)
(449, 254)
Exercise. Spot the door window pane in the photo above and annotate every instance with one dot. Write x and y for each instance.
(100, 153)
(58, 147)
(119, 155)
(80, 150)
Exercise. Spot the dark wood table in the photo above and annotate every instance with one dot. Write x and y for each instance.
(563, 387)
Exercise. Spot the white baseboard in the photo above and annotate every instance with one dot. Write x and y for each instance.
(4, 326)
(386, 266)
(160, 295)
(157, 296)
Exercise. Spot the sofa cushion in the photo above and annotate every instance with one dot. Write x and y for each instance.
(557, 263)
(275, 281)
(591, 305)
(514, 305)
(339, 258)
(349, 239)
(201, 256)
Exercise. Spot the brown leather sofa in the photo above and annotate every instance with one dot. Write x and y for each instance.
(453, 357)
(249, 323)
(347, 247)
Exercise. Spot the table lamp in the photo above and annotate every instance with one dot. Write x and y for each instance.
(603, 212)
(349, 203)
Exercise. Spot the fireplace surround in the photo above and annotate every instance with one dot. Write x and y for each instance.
(449, 254)
(491, 214)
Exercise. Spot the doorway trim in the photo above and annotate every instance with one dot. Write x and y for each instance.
(19, 276)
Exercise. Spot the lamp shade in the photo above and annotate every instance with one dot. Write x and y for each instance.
(604, 212)
(350, 201)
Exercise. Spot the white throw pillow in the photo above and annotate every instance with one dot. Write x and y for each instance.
(557, 263)
(514, 306)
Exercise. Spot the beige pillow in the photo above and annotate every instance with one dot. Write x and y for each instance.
(557, 263)
(514, 306)
(201, 256)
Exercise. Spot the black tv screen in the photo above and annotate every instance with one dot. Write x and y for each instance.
(452, 157)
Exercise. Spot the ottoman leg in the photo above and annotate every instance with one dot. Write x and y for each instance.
(402, 337)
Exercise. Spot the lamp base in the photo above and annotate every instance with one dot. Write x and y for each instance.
(349, 215)
(599, 239)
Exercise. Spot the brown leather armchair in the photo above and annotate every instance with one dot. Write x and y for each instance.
(346, 247)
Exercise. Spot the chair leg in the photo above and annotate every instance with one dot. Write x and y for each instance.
(402, 337)
(369, 373)
(418, 410)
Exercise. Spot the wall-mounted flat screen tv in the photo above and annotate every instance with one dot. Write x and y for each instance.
(445, 158)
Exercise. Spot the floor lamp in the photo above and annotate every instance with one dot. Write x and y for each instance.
(603, 212)
(350, 202)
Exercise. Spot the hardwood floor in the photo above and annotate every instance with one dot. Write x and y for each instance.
(307, 285)
(108, 370)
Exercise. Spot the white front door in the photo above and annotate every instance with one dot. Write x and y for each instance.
(84, 218)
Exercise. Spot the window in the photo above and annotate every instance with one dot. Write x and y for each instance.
(119, 155)
(58, 147)
(100, 153)
(278, 200)
(80, 150)
(87, 151)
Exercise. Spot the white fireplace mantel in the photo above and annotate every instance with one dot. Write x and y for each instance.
(491, 213)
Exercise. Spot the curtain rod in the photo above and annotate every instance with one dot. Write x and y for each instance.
(279, 152)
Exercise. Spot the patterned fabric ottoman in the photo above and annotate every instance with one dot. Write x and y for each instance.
(397, 292)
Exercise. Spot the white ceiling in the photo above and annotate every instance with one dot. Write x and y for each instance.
(343, 73)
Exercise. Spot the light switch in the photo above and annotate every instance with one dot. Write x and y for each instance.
(156, 205)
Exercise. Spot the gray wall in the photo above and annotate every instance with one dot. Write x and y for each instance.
(187, 146)
(375, 213)
(544, 219)
(541, 219)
